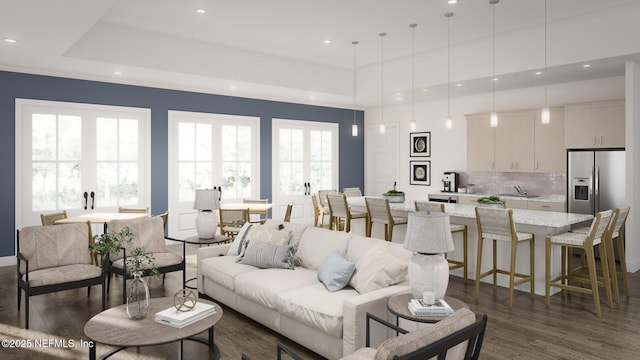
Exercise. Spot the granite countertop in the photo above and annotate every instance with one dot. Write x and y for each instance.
(545, 198)
(520, 216)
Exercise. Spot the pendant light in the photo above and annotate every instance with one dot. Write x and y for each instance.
(382, 127)
(412, 125)
(493, 119)
(448, 120)
(354, 127)
(545, 115)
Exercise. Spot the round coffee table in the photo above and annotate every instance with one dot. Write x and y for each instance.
(397, 305)
(113, 327)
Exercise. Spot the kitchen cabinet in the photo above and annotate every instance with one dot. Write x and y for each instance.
(545, 205)
(595, 125)
(468, 199)
(480, 143)
(550, 155)
(513, 203)
(514, 142)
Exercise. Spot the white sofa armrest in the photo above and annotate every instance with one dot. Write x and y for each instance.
(209, 252)
(355, 317)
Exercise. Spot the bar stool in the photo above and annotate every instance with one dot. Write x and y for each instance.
(455, 228)
(497, 224)
(379, 211)
(570, 240)
(352, 191)
(339, 209)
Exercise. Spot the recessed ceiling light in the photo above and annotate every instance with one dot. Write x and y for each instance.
(458, 84)
(232, 87)
(312, 97)
(117, 73)
(201, 11)
(425, 90)
(452, 1)
(327, 42)
(495, 79)
(586, 66)
(10, 41)
(538, 72)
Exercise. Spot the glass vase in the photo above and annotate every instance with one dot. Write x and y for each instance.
(137, 297)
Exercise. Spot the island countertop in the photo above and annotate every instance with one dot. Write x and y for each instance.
(520, 216)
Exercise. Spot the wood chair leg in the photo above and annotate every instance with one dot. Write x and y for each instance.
(532, 266)
(495, 265)
(478, 267)
(623, 264)
(613, 273)
(464, 254)
(512, 271)
(606, 278)
(591, 264)
(547, 270)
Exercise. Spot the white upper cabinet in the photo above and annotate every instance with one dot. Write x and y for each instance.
(514, 142)
(550, 154)
(595, 125)
(480, 143)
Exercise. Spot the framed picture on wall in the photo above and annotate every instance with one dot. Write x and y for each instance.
(420, 172)
(420, 143)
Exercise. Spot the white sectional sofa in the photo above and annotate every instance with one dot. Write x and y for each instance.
(294, 302)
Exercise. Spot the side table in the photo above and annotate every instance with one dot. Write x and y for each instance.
(398, 306)
(217, 239)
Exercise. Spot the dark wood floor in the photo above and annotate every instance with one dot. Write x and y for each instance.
(568, 329)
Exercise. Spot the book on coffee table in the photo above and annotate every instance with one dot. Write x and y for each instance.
(417, 307)
(180, 319)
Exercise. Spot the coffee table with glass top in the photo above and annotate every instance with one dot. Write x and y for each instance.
(113, 327)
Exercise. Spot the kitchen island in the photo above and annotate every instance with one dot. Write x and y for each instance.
(540, 223)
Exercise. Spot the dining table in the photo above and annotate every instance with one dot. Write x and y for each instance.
(99, 218)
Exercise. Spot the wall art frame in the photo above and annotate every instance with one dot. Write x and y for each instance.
(420, 144)
(420, 172)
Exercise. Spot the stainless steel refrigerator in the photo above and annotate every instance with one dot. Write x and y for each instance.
(596, 180)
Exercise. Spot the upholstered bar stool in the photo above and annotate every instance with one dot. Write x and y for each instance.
(455, 228)
(339, 209)
(586, 242)
(379, 211)
(497, 225)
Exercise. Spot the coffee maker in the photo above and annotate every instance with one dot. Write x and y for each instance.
(450, 182)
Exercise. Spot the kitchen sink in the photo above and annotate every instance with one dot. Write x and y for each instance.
(519, 195)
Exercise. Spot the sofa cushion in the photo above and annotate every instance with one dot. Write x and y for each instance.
(316, 243)
(377, 269)
(269, 256)
(224, 269)
(335, 271)
(263, 286)
(359, 245)
(407, 343)
(315, 306)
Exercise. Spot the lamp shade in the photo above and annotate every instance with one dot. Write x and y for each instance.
(206, 199)
(428, 233)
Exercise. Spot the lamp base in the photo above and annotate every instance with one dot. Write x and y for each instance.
(206, 224)
(428, 273)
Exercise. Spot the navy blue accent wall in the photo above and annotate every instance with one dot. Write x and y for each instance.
(160, 101)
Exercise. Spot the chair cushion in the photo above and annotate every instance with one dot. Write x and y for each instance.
(366, 353)
(161, 260)
(148, 232)
(315, 306)
(570, 238)
(224, 269)
(63, 274)
(378, 269)
(55, 245)
(264, 286)
(269, 256)
(500, 237)
(335, 272)
(420, 338)
(457, 227)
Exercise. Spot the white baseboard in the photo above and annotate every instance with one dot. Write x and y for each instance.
(7, 261)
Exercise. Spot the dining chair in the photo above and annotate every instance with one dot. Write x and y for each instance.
(352, 191)
(232, 220)
(455, 228)
(318, 212)
(339, 212)
(133, 210)
(287, 213)
(322, 198)
(50, 219)
(257, 216)
(379, 211)
(586, 243)
(497, 225)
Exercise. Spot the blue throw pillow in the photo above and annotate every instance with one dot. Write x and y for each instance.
(335, 272)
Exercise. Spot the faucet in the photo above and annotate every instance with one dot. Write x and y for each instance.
(520, 190)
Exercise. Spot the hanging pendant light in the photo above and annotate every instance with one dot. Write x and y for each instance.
(493, 119)
(354, 127)
(382, 127)
(412, 125)
(448, 120)
(545, 115)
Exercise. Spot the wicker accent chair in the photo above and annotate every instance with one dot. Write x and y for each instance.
(498, 225)
(54, 258)
(455, 228)
(50, 219)
(339, 212)
(149, 232)
(379, 212)
(585, 242)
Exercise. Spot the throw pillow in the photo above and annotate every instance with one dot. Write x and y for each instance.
(265, 235)
(235, 247)
(269, 256)
(377, 269)
(335, 272)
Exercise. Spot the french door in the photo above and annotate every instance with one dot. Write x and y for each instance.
(207, 151)
(79, 158)
(305, 160)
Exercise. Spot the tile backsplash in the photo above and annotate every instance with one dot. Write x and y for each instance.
(540, 184)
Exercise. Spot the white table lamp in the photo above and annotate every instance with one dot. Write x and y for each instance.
(429, 236)
(206, 201)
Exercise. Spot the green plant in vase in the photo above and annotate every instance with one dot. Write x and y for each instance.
(491, 201)
(395, 196)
